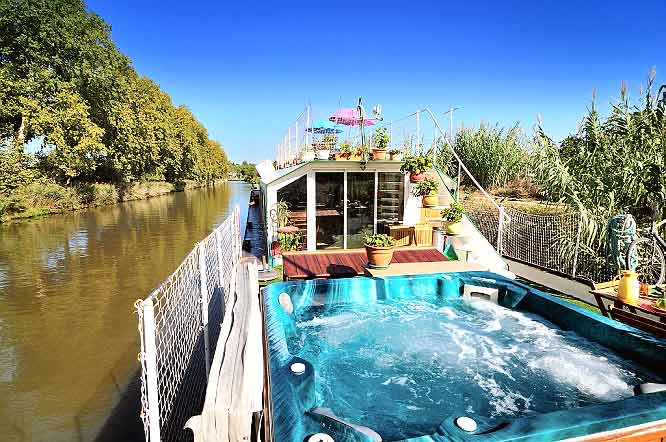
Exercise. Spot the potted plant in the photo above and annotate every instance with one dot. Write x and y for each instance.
(427, 189)
(451, 217)
(289, 242)
(329, 140)
(307, 154)
(380, 141)
(416, 165)
(345, 151)
(379, 248)
(395, 154)
(359, 153)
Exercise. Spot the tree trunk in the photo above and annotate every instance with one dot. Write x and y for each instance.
(19, 134)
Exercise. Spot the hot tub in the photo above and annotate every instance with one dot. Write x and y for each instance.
(404, 358)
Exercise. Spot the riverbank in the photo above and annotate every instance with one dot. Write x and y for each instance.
(45, 197)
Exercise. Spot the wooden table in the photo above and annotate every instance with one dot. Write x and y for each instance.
(610, 294)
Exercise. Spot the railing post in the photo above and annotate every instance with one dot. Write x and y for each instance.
(220, 260)
(391, 135)
(150, 358)
(307, 126)
(458, 184)
(500, 230)
(418, 130)
(204, 302)
(575, 262)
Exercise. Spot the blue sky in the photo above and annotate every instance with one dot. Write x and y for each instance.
(247, 69)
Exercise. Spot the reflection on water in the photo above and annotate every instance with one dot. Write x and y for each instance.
(68, 331)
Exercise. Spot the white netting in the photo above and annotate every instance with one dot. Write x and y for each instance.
(551, 242)
(180, 330)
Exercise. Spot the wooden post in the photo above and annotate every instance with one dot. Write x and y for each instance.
(150, 359)
(204, 302)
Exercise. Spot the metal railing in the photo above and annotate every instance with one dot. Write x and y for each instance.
(179, 323)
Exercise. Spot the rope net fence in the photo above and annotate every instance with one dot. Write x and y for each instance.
(179, 324)
(550, 242)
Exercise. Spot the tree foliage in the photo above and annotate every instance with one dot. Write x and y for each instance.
(65, 86)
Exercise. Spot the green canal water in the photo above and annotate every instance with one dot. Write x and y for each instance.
(68, 329)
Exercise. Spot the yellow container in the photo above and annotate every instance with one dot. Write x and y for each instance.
(629, 287)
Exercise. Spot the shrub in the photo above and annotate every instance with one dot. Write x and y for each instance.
(289, 242)
(494, 156)
(416, 163)
(379, 240)
(453, 213)
(380, 139)
(426, 187)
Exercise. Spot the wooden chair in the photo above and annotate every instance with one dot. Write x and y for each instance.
(640, 322)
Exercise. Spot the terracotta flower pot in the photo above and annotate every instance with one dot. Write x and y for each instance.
(342, 156)
(379, 257)
(453, 228)
(416, 177)
(396, 156)
(430, 200)
(378, 154)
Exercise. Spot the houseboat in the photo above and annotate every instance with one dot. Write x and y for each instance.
(441, 344)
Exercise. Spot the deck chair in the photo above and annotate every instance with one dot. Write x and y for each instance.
(640, 322)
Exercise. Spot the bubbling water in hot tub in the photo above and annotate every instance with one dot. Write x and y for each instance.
(400, 367)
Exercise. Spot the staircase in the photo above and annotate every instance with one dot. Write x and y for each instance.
(470, 245)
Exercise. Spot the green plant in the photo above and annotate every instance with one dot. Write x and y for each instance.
(494, 156)
(379, 240)
(426, 187)
(329, 140)
(289, 242)
(361, 150)
(281, 215)
(609, 166)
(416, 164)
(380, 139)
(395, 151)
(453, 213)
(346, 148)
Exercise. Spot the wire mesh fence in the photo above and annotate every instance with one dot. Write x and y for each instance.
(179, 324)
(550, 242)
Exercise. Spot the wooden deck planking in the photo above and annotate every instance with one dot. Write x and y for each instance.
(346, 263)
(234, 393)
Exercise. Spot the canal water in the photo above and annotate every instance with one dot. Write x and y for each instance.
(68, 329)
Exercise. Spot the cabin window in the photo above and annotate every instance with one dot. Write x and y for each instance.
(360, 207)
(295, 195)
(329, 209)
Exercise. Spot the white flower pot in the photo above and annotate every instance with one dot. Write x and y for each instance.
(308, 156)
(323, 154)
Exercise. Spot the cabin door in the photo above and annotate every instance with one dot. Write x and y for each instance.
(361, 190)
